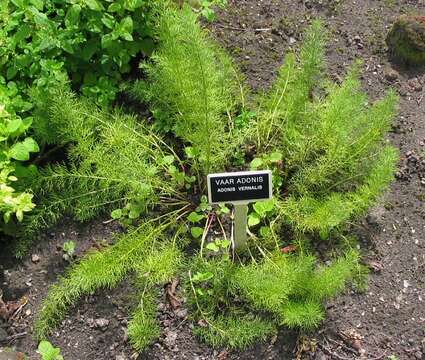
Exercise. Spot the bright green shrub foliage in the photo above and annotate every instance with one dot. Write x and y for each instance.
(47, 43)
(158, 267)
(302, 314)
(91, 41)
(191, 88)
(15, 148)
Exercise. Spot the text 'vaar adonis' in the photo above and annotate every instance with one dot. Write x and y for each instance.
(239, 186)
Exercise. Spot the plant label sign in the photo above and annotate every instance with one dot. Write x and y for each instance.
(239, 187)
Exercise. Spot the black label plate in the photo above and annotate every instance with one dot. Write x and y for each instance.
(239, 187)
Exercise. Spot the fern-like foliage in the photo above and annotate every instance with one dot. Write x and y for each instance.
(98, 270)
(158, 267)
(305, 315)
(291, 287)
(236, 330)
(281, 121)
(336, 162)
(191, 88)
(143, 251)
(143, 327)
(282, 289)
(113, 160)
(279, 277)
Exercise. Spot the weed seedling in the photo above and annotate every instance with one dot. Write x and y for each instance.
(48, 352)
(68, 250)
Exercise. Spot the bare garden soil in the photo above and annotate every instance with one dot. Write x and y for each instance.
(387, 319)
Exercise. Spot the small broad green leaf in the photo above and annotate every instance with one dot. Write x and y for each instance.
(67, 46)
(94, 5)
(135, 211)
(263, 207)
(213, 247)
(256, 163)
(69, 247)
(114, 7)
(208, 13)
(195, 217)
(190, 179)
(127, 36)
(116, 214)
(19, 3)
(196, 231)
(265, 231)
(21, 150)
(126, 25)
(48, 352)
(204, 199)
(225, 243)
(90, 48)
(19, 215)
(275, 157)
(200, 292)
(39, 4)
(23, 32)
(108, 21)
(31, 145)
(72, 16)
(22, 171)
(253, 219)
(224, 209)
(190, 152)
(201, 277)
(12, 70)
(6, 216)
(14, 125)
(168, 160)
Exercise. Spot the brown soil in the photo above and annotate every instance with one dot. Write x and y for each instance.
(388, 319)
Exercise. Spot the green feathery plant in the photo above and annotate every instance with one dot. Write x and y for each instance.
(192, 89)
(114, 161)
(323, 142)
(335, 162)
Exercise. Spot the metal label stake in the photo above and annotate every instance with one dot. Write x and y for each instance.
(241, 224)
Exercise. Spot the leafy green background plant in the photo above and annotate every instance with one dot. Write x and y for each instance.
(90, 42)
(15, 149)
(46, 45)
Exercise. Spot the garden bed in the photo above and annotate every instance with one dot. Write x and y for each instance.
(388, 319)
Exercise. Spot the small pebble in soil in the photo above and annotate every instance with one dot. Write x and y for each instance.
(101, 323)
(415, 85)
(391, 75)
(170, 339)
